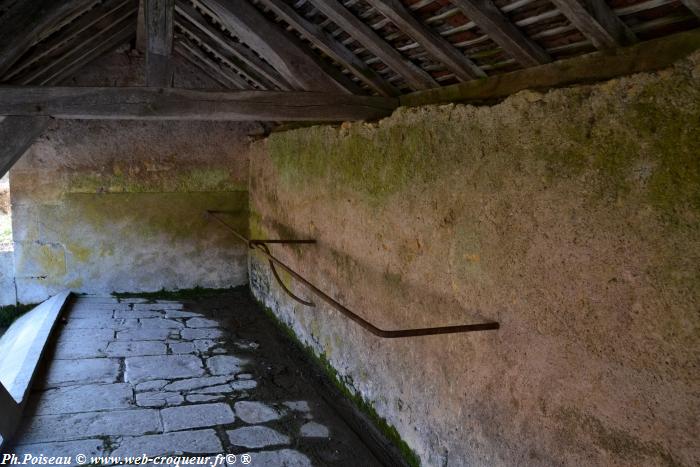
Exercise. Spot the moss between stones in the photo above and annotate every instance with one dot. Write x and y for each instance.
(341, 383)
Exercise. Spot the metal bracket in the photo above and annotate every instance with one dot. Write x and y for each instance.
(261, 246)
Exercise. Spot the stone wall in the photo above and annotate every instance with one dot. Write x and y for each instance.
(103, 206)
(571, 217)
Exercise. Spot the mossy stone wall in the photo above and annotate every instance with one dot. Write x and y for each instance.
(572, 217)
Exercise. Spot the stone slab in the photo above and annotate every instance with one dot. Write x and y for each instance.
(224, 365)
(89, 370)
(196, 416)
(82, 335)
(157, 334)
(194, 442)
(256, 437)
(158, 399)
(314, 430)
(68, 427)
(88, 447)
(140, 369)
(135, 348)
(158, 323)
(89, 398)
(197, 383)
(281, 458)
(201, 323)
(206, 333)
(74, 349)
(255, 412)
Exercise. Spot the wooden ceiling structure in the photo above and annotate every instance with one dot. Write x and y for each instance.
(310, 59)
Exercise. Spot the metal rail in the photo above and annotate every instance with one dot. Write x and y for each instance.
(260, 246)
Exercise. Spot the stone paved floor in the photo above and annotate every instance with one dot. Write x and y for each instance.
(132, 377)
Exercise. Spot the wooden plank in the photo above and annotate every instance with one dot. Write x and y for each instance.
(258, 66)
(145, 103)
(17, 135)
(234, 81)
(216, 77)
(693, 6)
(119, 29)
(494, 23)
(597, 22)
(331, 47)
(596, 66)
(436, 46)
(187, 29)
(28, 22)
(98, 18)
(415, 76)
(292, 59)
(159, 19)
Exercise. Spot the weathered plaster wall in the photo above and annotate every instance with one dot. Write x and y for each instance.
(102, 206)
(571, 217)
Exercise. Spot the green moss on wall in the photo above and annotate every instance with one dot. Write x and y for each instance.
(344, 385)
(632, 136)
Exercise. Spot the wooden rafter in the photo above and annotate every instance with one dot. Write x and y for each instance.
(192, 53)
(52, 67)
(331, 47)
(230, 73)
(159, 20)
(597, 22)
(415, 76)
(494, 23)
(144, 103)
(17, 135)
(202, 67)
(111, 11)
(28, 22)
(222, 51)
(263, 72)
(437, 47)
(693, 6)
(294, 61)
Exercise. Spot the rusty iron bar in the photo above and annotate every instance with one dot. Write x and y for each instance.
(388, 334)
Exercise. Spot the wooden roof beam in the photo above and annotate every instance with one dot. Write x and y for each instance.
(436, 46)
(28, 22)
(486, 15)
(263, 72)
(331, 47)
(147, 103)
(693, 6)
(292, 59)
(212, 69)
(596, 20)
(159, 16)
(415, 76)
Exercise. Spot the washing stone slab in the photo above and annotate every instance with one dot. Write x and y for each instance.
(224, 365)
(154, 334)
(88, 447)
(76, 349)
(203, 333)
(82, 335)
(135, 348)
(255, 412)
(139, 369)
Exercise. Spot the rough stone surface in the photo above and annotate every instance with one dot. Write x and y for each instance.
(158, 399)
(196, 442)
(140, 369)
(243, 385)
(196, 416)
(88, 447)
(197, 383)
(135, 349)
(255, 412)
(314, 430)
(158, 334)
(207, 333)
(224, 365)
(201, 323)
(86, 425)
(89, 398)
(256, 437)
(95, 370)
(282, 458)
(572, 217)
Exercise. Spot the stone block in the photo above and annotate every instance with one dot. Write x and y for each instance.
(140, 369)
(196, 416)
